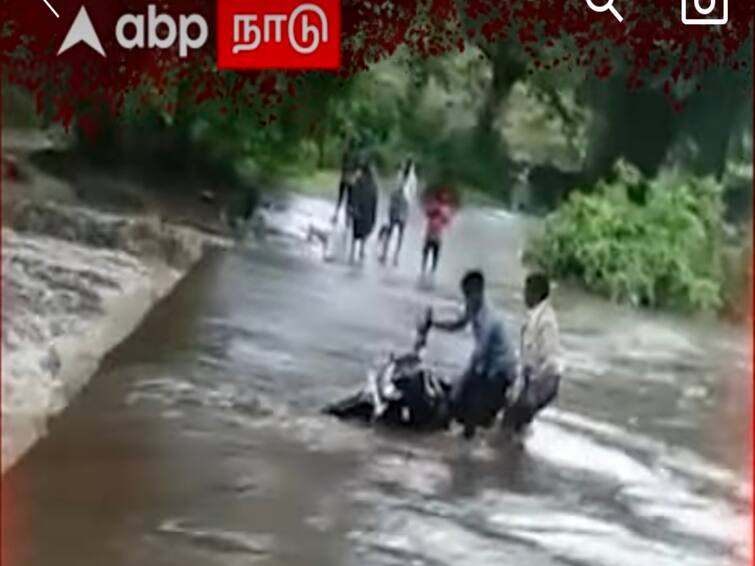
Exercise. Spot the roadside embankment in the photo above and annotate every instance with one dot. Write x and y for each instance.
(75, 283)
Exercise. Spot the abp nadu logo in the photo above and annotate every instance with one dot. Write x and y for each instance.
(286, 34)
(137, 31)
(251, 34)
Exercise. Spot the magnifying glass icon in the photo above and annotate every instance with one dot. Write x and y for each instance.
(607, 6)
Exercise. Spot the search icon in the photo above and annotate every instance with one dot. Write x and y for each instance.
(606, 7)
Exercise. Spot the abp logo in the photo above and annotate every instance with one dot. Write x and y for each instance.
(286, 34)
(135, 31)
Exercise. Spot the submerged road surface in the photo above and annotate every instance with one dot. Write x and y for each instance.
(200, 443)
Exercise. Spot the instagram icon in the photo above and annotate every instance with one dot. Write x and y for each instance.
(705, 12)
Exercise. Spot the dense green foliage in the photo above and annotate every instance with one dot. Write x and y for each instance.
(18, 108)
(654, 242)
(481, 117)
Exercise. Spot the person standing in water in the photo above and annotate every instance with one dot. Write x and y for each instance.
(398, 210)
(541, 367)
(349, 166)
(364, 198)
(480, 393)
(438, 211)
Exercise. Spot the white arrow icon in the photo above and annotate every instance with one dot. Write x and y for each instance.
(82, 30)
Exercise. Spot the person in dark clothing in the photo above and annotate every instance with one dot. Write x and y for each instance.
(364, 198)
(480, 393)
(349, 167)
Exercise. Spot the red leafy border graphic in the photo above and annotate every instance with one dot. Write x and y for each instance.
(651, 44)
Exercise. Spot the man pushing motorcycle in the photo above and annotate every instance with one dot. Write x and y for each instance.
(480, 393)
(406, 393)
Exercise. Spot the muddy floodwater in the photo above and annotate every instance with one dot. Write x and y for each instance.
(200, 441)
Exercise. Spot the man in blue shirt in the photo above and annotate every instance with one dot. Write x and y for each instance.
(480, 393)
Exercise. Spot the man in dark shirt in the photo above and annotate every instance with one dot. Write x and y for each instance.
(363, 206)
(349, 169)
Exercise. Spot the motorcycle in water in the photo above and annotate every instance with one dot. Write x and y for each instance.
(402, 392)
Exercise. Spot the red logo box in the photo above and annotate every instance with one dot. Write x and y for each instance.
(285, 34)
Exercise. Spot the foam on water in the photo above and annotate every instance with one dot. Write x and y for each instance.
(651, 493)
(254, 546)
(65, 305)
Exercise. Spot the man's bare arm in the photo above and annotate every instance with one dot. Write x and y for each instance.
(452, 325)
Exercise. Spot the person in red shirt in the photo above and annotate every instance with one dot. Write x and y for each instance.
(438, 211)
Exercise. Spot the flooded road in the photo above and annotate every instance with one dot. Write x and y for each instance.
(200, 442)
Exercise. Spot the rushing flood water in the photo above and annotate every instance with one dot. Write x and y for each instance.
(200, 440)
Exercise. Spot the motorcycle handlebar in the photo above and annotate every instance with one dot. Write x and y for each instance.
(421, 339)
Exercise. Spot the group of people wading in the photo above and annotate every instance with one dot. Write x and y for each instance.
(358, 194)
(497, 378)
